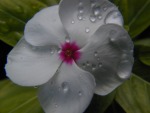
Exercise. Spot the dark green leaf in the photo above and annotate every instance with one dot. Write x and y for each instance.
(136, 14)
(141, 70)
(144, 55)
(17, 99)
(143, 47)
(143, 42)
(50, 2)
(100, 103)
(134, 95)
(14, 14)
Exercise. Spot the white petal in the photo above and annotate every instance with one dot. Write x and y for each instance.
(45, 28)
(82, 18)
(31, 66)
(108, 56)
(69, 91)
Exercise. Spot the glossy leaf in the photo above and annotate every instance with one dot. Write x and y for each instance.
(13, 16)
(17, 99)
(136, 15)
(141, 70)
(100, 103)
(143, 42)
(134, 95)
(143, 47)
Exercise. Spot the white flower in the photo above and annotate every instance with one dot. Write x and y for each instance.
(72, 51)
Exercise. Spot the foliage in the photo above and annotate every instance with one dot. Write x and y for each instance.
(133, 96)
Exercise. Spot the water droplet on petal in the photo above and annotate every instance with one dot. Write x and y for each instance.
(56, 105)
(99, 17)
(124, 69)
(65, 87)
(87, 63)
(93, 67)
(72, 21)
(114, 17)
(96, 11)
(80, 93)
(112, 39)
(95, 54)
(52, 51)
(100, 64)
(92, 19)
(87, 30)
(80, 17)
(80, 4)
(98, 58)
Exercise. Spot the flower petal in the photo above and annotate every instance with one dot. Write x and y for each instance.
(81, 18)
(69, 91)
(45, 28)
(109, 57)
(31, 66)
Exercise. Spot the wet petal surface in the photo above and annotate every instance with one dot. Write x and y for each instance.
(81, 18)
(69, 91)
(109, 57)
(31, 66)
(45, 28)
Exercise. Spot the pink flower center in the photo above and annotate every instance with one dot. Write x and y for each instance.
(69, 52)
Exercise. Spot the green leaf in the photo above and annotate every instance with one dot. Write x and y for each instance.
(17, 99)
(14, 14)
(143, 42)
(50, 2)
(136, 14)
(144, 55)
(143, 47)
(134, 95)
(141, 70)
(100, 103)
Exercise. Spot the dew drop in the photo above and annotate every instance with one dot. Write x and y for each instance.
(93, 67)
(87, 63)
(56, 105)
(93, 4)
(112, 39)
(80, 93)
(52, 51)
(87, 30)
(81, 10)
(98, 59)
(100, 64)
(96, 11)
(80, 4)
(65, 87)
(124, 69)
(72, 21)
(95, 54)
(114, 17)
(80, 17)
(92, 19)
(99, 17)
